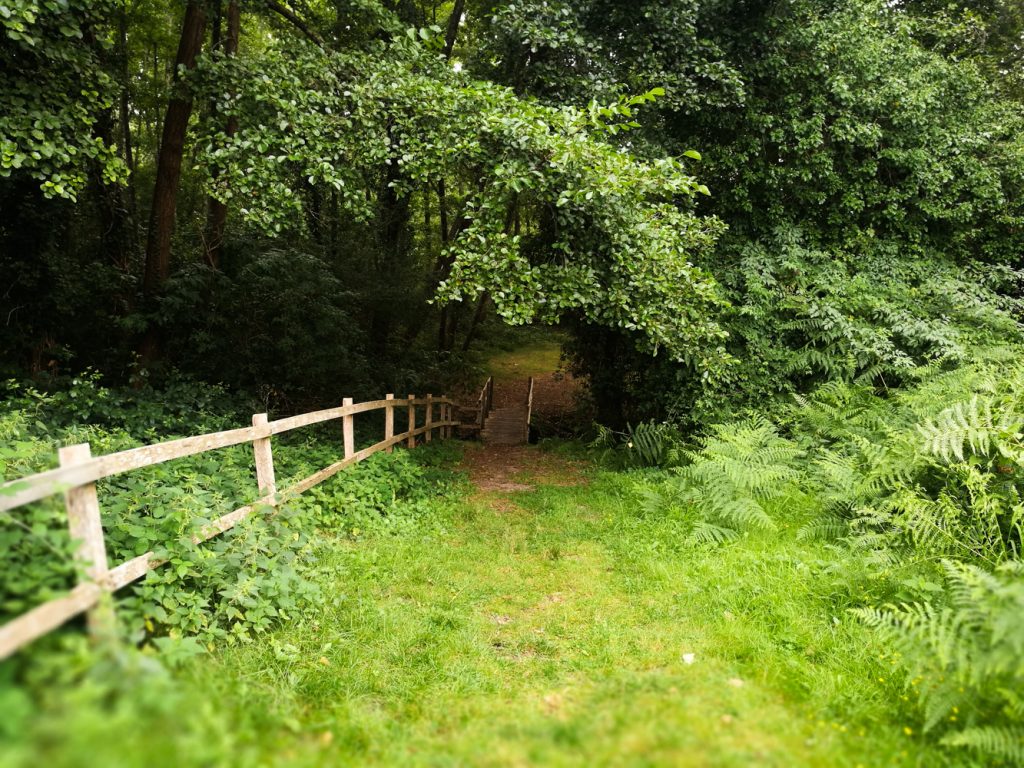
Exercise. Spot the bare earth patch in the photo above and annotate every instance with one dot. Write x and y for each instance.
(514, 468)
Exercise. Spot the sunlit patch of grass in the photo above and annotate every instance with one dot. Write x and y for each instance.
(539, 357)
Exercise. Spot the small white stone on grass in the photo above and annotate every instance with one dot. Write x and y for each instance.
(688, 658)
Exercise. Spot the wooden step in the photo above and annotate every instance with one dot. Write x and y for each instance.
(506, 426)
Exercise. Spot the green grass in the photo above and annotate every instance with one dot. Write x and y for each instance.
(550, 627)
(539, 356)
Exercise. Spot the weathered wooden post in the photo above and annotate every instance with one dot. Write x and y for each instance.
(86, 527)
(411, 442)
(430, 416)
(389, 423)
(349, 430)
(264, 459)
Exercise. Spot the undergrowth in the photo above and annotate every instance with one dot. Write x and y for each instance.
(918, 496)
(232, 588)
(855, 560)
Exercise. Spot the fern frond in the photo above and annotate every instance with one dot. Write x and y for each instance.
(823, 530)
(994, 741)
(706, 533)
(747, 513)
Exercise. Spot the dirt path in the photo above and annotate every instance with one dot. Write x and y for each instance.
(510, 468)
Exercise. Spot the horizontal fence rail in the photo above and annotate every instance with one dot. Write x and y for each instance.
(79, 470)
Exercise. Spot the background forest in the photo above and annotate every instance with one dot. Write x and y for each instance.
(272, 196)
(782, 242)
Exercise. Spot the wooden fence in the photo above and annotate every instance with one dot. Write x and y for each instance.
(79, 470)
(485, 401)
(529, 408)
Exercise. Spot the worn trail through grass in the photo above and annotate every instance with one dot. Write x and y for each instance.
(543, 621)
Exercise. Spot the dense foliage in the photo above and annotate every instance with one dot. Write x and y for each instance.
(871, 184)
(784, 240)
(352, 192)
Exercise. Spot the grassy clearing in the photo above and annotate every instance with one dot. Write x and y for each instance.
(558, 626)
(538, 356)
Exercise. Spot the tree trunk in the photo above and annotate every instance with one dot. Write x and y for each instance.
(453, 27)
(125, 137)
(217, 212)
(395, 247)
(172, 147)
(448, 321)
(477, 317)
(442, 321)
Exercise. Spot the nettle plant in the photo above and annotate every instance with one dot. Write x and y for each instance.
(556, 216)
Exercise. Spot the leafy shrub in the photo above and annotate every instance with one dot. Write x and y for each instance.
(34, 544)
(281, 324)
(389, 492)
(112, 705)
(735, 473)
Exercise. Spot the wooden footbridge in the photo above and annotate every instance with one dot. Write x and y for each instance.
(505, 424)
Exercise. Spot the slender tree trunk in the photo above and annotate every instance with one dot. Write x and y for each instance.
(333, 231)
(394, 251)
(172, 148)
(125, 137)
(112, 211)
(453, 27)
(446, 332)
(115, 228)
(455, 314)
(477, 317)
(153, 114)
(315, 213)
(442, 265)
(124, 106)
(217, 212)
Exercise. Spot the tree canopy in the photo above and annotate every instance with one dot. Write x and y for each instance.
(737, 199)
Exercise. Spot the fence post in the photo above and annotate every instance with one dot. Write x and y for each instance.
(85, 527)
(349, 430)
(389, 422)
(411, 442)
(264, 459)
(430, 416)
(446, 410)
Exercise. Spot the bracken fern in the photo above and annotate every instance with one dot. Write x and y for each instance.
(734, 472)
(965, 656)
